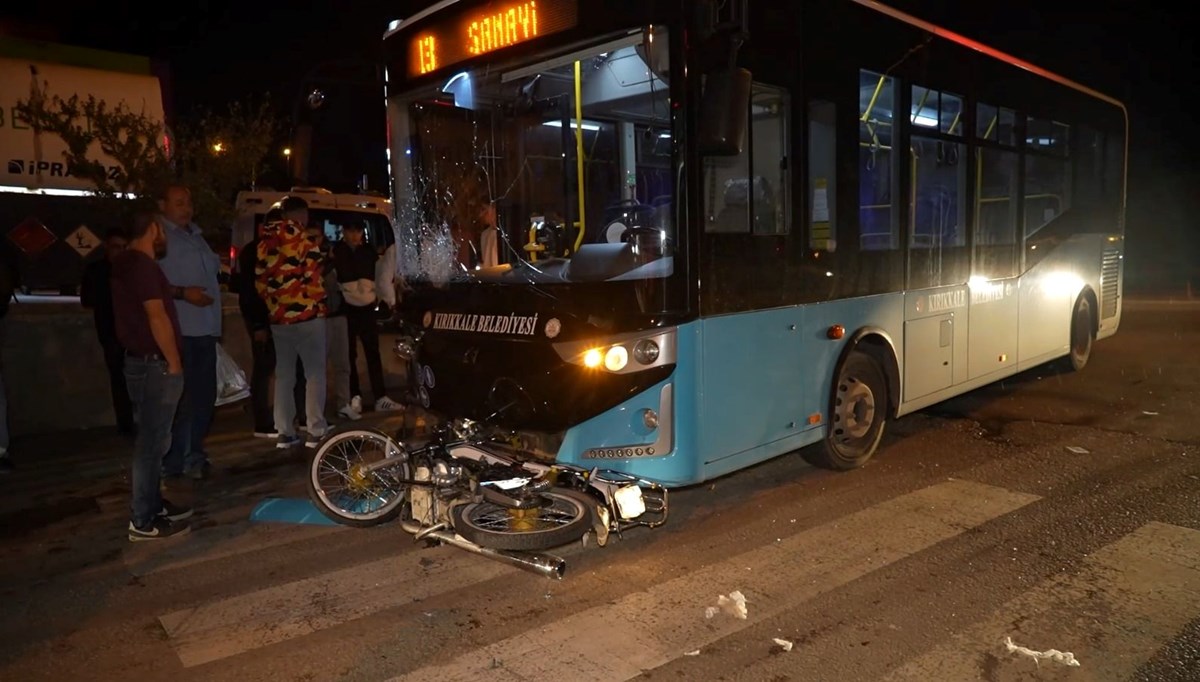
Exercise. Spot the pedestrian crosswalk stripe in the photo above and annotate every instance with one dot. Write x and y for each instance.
(246, 622)
(648, 628)
(1130, 598)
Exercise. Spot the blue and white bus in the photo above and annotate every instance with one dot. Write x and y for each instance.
(676, 238)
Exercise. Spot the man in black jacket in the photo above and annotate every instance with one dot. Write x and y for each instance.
(96, 293)
(254, 313)
(354, 261)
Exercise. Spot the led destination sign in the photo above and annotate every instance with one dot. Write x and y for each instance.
(481, 30)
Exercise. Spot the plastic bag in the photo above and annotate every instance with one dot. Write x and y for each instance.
(231, 380)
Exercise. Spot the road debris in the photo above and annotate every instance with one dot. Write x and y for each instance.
(1149, 413)
(694, 652)
(786, 645)
(734, 605)
(1077, 450)
(1064, 657)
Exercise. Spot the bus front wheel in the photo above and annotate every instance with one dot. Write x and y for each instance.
(856, 417)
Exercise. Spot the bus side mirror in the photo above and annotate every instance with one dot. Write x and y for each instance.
(724, 112)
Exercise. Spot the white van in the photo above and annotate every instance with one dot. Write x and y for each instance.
(330, 211)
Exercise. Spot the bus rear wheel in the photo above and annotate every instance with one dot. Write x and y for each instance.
(856, 416)
(1082, 335)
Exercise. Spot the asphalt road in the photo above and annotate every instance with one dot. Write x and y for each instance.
(1059, 510)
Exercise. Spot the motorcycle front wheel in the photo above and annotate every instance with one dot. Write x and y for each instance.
(562, 519)
(344, 491)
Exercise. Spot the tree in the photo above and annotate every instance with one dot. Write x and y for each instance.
(221, 153)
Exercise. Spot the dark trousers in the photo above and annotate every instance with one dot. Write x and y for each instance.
(195, 408)
(260, 385)
(114, 359)
(155, 395)
(362, 326)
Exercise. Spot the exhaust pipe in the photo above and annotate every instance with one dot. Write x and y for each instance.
(546, 565)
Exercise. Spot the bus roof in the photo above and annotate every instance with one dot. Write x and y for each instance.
(987, 50)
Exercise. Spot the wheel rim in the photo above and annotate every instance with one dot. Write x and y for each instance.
(855, 409)
(343, 485)
(557, 513)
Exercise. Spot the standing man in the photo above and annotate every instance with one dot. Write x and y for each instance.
(147, 326)
(288, 275)
(354, 261)
(337, 339)
(192, 267)
(258, 323)
(96, 293)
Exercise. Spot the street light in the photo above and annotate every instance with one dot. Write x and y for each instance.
(287, 151)
(218, 147)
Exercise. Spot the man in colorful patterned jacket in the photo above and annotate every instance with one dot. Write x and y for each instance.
(288, 274)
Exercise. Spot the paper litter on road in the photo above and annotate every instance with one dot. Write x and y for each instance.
(1148, 412)
(787, 646)
(734, 605)
(1077, 450)
(694, 652)
(1065, 657)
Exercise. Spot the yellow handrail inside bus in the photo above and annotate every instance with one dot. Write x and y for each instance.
(579, 154)
(866, 115)
(874, 96)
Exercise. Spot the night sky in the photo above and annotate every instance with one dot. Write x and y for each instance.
(219, 50)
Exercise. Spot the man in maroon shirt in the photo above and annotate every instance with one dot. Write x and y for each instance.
(148, 328)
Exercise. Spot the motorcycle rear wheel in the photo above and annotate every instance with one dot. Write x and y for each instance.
(344, 493)
(564, 519)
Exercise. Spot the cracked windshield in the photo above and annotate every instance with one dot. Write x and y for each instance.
(555, 171)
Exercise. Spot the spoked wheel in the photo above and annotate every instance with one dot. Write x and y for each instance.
(857, 415)
(563, 518)
(341, 487)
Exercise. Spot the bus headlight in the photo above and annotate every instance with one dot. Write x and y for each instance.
(616, 358)
(592, 358)
(622, 353)
(645, 352)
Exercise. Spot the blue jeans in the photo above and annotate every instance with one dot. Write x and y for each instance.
(307, 341)
(155, 397)
(195, 408)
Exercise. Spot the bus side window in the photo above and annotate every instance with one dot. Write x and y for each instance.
(822, 177)
(877, 178)
(995, 193)
(769, 114)
(748, 193)
(727, 193)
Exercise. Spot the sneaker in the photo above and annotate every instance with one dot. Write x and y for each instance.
(158, 529)
(386, 404)
(174, 512)
(6, 465)
(350, 413)
(266, 434)
(287, 442)
(356, 404)
(314, 439)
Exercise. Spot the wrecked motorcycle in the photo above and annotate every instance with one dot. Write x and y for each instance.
(471, 486)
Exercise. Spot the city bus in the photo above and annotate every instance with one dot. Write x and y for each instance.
(677, 238)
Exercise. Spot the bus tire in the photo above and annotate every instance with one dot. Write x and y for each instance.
(1083, 334)
(857, 415)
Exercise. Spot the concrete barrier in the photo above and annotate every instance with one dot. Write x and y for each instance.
(54, 368)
